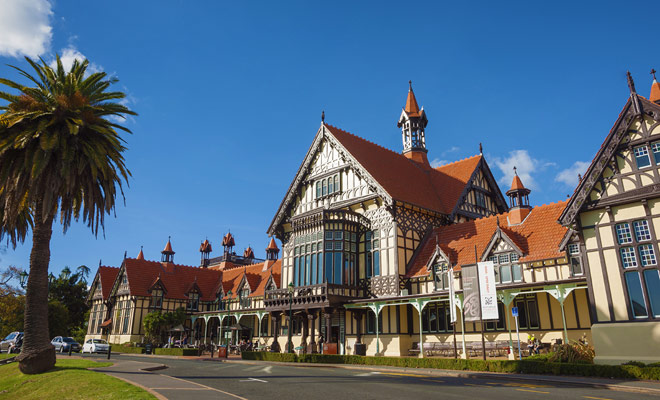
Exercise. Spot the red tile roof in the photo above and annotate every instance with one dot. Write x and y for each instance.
(140, 255)
(248, 253)
(433, 189)
(107, 277)
(178, 279)
(538, 237)
(205, 247)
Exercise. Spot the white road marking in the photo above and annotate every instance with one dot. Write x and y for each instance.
(267, 369)
(207, 387)
(253, 380)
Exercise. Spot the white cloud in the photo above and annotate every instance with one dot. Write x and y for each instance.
(569, 176)
(25, 28)
(438, 162)
(127, 101)
(525, 166)
(69, 55)
(452, 149)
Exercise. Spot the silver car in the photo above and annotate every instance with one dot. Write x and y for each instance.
(9, 344)
(95, 346)
(62, 344)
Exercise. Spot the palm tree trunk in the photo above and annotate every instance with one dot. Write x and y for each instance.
(37, 354)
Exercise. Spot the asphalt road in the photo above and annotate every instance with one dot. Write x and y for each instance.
(273, 382)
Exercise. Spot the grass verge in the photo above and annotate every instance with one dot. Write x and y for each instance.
(70, 379)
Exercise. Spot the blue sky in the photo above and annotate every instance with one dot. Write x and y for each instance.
(230, 96)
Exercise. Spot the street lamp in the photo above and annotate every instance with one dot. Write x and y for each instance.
(23, 279)
(290, 291)
(229, 319)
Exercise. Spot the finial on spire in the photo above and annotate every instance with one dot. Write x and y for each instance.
(125, 254)
(410, 86)
(653, 73)
(99, 262)
(579, 177)
(515, 170)
(323, 116)
(481, 149)
(631, 83)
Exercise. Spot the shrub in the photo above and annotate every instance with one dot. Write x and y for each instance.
(575, 352)
(175, 352)
(540, 365)
(119, 348)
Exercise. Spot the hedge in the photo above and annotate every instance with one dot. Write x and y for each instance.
(508, 366)
(175, 352)
(118, 348)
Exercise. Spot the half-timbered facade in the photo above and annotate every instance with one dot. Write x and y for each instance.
(121, 297)
(615, 213)
(356, 213)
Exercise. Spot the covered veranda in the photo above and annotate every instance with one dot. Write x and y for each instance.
(559, 292)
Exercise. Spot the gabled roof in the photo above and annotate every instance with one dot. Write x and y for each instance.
(105, 276)
(539, 237)
(635, 106)
(395, 177)
(404, 180)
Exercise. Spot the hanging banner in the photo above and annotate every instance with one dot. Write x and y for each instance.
(471, 303)
(488, 292)
(452, 300)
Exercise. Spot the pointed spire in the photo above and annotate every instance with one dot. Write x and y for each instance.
(248, 253)
(411, 102)
(655, 89)
(168, 253)
(631, 83)
(517, 183)
(518, 200)
(140, 255)
(272, 251)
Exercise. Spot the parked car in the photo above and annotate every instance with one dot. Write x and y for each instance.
(95, 346)
(62, 344)
(12, 343)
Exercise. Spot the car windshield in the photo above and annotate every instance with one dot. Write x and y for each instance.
(11, 336)
(69, 340)
(101, 341)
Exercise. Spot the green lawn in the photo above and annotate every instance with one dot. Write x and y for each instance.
(70, 379)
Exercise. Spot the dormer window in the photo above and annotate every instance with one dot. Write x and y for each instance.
(156, 299)
(575, 259)
(243, 300)
(193, 301)
(507, 269)
(440, 277)
(221, 305)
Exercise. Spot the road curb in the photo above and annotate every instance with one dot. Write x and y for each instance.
(156, 368)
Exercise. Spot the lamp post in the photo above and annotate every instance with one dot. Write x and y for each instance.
(229, 319)
(22, 278)
(290, 290)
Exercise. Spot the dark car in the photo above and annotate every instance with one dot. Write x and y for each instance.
(62, 344)
(12, 342)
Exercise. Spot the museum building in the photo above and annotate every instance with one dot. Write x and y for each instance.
(371, 240)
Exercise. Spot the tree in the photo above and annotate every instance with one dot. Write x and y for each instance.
(70, 290)
(59, 154)
(156, 323)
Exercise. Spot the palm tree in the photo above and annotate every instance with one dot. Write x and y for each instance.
(60, 155)
(82, 272)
